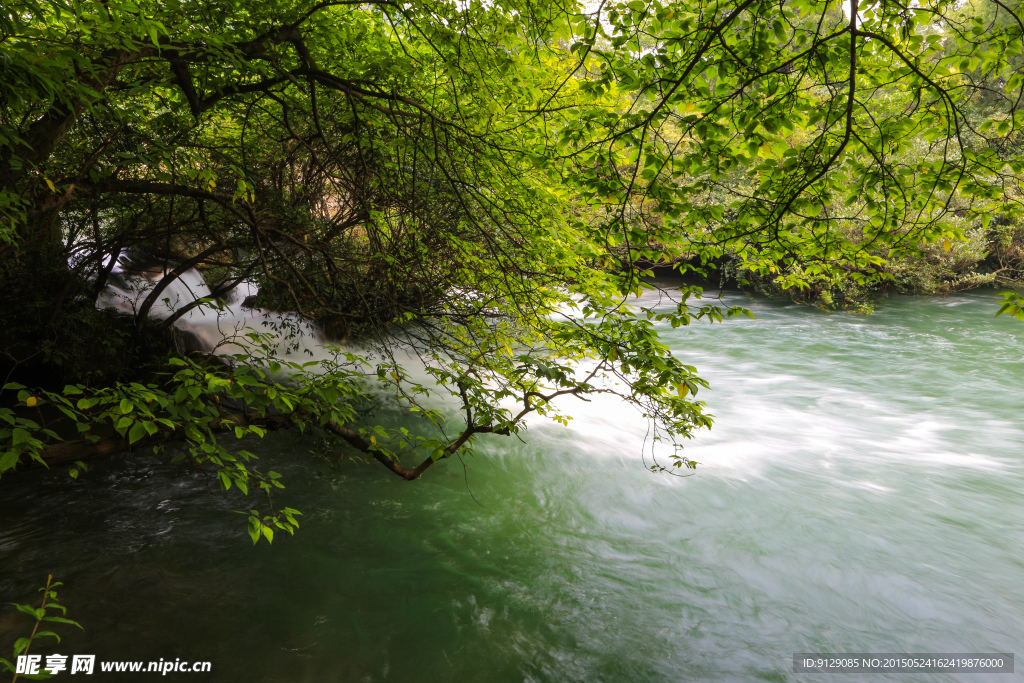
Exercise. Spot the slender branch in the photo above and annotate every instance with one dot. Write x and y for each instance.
(168, 278)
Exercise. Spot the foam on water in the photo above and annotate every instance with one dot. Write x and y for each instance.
(223, 327)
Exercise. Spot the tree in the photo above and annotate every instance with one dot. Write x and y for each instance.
(821, 136)
(446, 179)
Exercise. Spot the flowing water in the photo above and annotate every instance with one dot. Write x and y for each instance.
(224, 327)
(861, 491)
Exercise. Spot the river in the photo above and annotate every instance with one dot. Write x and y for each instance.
(861, 491)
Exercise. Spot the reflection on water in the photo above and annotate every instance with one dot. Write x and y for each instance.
(859, 492)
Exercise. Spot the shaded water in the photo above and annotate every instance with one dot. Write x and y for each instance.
(860, 491)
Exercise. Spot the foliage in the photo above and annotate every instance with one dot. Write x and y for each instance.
(938, 269)
(195, 403)
(40, 614)
(1013, 304)
(477, 187)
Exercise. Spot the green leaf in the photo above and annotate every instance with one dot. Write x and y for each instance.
(137, 431)
(20, 645)
(779, 30)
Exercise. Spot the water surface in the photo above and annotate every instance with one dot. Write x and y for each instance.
(860, 491)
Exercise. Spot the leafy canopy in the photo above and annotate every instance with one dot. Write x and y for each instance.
(482, 185)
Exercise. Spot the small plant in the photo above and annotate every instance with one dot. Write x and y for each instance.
(1013, 303)
(40, 614)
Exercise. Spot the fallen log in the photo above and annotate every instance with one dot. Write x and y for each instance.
(81, 449)
(67, 452)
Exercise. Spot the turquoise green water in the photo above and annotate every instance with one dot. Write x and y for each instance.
(860, 491)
